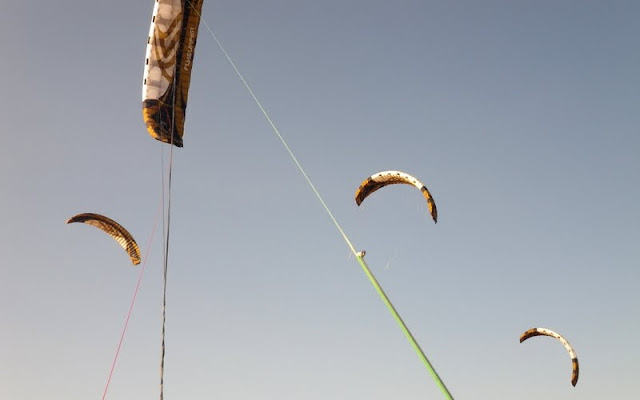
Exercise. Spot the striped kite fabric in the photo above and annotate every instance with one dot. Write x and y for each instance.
(113, 229)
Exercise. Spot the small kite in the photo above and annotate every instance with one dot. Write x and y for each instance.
(113, 229)
(547, 332)
(382, 179)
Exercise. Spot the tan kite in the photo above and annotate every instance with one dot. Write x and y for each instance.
(382, 179)
(547, 332)
(113, 229)
(167, 71)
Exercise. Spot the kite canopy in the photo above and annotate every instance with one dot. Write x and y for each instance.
(167, 71)
(385, 178)
(113, 229)
(548, 332)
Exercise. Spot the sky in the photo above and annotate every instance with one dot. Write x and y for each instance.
(521, 117)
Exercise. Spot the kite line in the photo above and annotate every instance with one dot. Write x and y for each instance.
(133, 300)
(166, 232)
(358, 255)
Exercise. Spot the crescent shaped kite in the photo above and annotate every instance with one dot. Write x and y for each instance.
(385, 178)
(113, 229)
(548, 332)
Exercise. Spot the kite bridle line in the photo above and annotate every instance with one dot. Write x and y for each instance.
(361, 261)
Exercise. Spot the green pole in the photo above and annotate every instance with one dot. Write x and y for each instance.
(404, 327)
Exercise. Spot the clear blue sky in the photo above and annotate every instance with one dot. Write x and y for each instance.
(521, 117)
